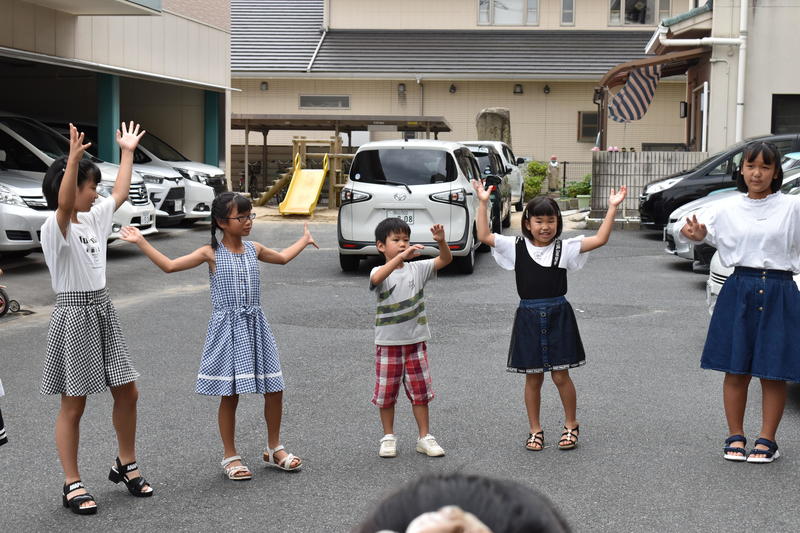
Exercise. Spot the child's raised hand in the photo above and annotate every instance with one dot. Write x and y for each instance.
(411, 251)
(307, 235)
(480, 191)
(437, 230)
(128, 138)
(130, 234)
(76, 146)
(616, 197)
(694, 230)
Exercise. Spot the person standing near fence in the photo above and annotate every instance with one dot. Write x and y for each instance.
(750, 334)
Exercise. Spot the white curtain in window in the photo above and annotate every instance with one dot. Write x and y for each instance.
(509, 11)
(567, 11)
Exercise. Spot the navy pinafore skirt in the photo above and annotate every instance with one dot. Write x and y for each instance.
(754, 328)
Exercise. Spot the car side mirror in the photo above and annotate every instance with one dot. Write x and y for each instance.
(509, 170)
(520, 161)
(2, 156)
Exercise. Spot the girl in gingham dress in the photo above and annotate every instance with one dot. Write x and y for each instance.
(240, 355)
(86, 352)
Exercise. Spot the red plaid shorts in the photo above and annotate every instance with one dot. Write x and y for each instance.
(407, 363)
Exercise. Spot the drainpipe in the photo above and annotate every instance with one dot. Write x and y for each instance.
(740, 41)
(316, 51)
(421, 96)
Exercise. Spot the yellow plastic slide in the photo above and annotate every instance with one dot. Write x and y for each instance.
(304, 189)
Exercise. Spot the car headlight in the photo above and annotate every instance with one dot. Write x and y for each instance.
(8, 197)
(105, 189)
(662, 185)
(152, 179)
(193, 175)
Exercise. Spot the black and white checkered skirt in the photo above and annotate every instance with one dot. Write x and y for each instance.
(86, 352)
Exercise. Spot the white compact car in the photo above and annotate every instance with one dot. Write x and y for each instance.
(161, 152)
(31, 147)
(421, 181)
(23, 210)
(514, 169)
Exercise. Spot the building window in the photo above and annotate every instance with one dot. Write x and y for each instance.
(785, 113)
(508, 12)
(567, 12)
(587, 126)
(313, 101)
(644, 12)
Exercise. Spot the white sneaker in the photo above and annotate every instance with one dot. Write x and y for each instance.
(388, 446)
(429, 446)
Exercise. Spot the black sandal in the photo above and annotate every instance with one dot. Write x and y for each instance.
(569, 439)
(74, 503)
(136, 486)
(535, 439)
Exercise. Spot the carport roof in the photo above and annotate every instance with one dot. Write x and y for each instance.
(257, 122)
(274, 38)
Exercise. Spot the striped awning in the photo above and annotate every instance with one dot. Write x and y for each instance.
(632, 101)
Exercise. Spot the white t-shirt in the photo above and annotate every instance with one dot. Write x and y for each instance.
(400, 316)
(752, 233)
(77, 261)
(505, 252)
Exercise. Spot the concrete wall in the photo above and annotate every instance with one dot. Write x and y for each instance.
(540, 124)
(463, 14)
(772, 26)
(168, 44)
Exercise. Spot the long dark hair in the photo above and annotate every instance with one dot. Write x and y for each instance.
(51, 183)
(769, 154)
(221, 208)
(504, 506)
(541, 206)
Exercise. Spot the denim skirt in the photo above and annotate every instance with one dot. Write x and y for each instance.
(545, 337)
(754, 328)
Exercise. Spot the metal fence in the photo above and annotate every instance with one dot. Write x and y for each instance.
(634, 169)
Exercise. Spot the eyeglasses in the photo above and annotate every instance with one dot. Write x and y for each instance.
(243, 218)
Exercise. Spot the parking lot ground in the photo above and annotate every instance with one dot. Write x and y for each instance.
(652, 425)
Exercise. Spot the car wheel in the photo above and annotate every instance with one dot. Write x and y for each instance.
(349, 263)
(466, 264)
(518, 205)
(507, 220)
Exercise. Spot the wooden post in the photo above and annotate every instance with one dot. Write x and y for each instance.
(246, 156)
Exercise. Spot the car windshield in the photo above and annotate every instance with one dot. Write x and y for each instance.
(409, 166)
(790, 161)
(484, 162)
(160, 149)
(43, 138)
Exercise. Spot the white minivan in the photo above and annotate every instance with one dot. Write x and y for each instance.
(161, 152)
(23, 210)
(424, 183)
(513, 169)
(31, 147)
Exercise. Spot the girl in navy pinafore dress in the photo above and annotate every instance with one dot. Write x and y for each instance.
(240, 354)
(752, 329)
(545, 336)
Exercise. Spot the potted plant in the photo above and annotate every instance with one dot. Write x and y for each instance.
(582, 190)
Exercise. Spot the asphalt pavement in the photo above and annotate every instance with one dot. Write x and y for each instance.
(652, 424)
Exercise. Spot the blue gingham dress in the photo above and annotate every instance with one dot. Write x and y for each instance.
(240, 354)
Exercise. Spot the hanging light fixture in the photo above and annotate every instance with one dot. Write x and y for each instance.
(518, 88)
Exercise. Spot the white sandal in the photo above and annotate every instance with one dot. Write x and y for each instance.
(231, 471)
(286, 463)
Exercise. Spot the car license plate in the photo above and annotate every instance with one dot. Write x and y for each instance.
(406, 215)
(145, 219)
(178, 205)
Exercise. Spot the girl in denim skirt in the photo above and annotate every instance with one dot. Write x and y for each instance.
(751, 330)
(545, 337)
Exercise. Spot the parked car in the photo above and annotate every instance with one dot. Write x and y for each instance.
(423, 182)
(790, 161)
(494, 175)
(661, 197)
(161, 152)
(718, 273)
(164, 184)
(23, 210)
(30, 147)
(513, 167)
(701, 253)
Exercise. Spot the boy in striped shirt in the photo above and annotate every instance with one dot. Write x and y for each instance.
(401, 329)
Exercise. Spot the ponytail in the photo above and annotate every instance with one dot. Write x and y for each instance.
(214, 242)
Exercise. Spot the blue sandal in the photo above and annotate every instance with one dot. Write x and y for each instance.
(769, 455)
(730, 450)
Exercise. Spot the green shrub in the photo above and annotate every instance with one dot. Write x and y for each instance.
(576, 188)
(535, 175)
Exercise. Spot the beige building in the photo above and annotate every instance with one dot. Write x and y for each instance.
(164, 63)
(541, 59)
